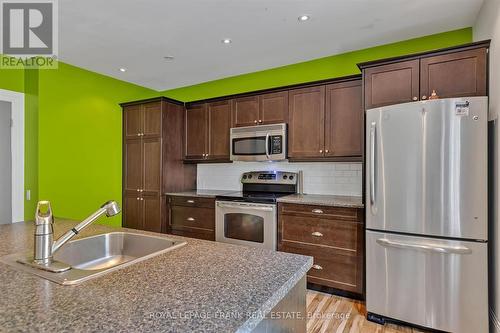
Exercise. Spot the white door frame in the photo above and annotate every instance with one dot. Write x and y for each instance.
(17, 146)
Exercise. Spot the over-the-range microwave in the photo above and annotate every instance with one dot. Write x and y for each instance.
(258, 143)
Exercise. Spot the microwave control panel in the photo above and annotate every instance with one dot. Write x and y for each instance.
(276, 144)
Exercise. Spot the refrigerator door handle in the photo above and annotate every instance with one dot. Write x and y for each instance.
(425, 247)
(373, 128)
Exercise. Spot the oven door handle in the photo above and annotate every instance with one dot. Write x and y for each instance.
(246, 207)
(267, 146)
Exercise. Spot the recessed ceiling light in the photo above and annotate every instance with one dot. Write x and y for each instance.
(123, 69)
(303, 18)
(226, 41)
(168, 58)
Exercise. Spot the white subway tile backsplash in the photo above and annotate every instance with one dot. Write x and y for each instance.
(319, 178)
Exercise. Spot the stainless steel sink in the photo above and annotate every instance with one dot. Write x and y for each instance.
(97, 255)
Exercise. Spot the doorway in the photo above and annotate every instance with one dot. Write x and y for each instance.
(5, 162)
(11, 156)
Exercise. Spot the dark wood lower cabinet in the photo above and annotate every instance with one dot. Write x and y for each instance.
(191, 217)
(333, 236)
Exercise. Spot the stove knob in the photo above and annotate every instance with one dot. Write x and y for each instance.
(291, 177)
(285, 176)
(249, 176)
(244, 176)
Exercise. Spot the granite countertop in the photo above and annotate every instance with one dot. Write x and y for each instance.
(201, 287)
(324, 200)
(200, 193)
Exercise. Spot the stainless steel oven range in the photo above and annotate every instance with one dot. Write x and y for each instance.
(250, 217)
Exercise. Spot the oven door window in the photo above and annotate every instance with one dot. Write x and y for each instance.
(245, 227)
(249, 146)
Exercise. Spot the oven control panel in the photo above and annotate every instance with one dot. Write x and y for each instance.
(269, 177)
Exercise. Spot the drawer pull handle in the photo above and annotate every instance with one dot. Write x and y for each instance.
(317, 211)
(317, 234)
(317, 267)
(190, 201)
(190, 219)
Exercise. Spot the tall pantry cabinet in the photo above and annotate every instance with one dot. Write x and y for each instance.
(152, 161)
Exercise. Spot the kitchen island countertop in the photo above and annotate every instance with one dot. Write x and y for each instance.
(201, 287)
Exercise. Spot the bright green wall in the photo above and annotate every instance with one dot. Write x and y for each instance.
(31, 131)
(318, 69)
(80, 145)
(11, 79)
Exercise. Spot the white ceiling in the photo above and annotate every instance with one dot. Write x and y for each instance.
(104, 35)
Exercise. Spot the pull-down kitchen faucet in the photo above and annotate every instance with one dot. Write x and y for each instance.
(45, 247)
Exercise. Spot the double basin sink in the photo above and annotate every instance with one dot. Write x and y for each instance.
(97, 255)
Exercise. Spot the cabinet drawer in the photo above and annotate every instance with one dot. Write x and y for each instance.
(353, 214)
(192, 201)
(195, 219)
(343, 235)
(331, 267)
(195, 234)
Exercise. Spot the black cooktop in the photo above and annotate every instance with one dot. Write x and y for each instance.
(256, 197)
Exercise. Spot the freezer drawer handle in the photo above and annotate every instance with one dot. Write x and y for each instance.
(425, 247)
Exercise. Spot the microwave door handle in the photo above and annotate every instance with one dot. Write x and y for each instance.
(267, 146)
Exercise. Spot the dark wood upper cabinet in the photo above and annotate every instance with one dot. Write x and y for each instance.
(344, 119)
(152, 119)
(273, 108)
(306, 122)
(219, 124)
(196, 132)
(454, 75)
(453, 72)
(246, 111)
(207, 131)
(391, 84)
(132, 119)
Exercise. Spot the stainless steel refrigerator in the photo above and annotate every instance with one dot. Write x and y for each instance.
(426, 214)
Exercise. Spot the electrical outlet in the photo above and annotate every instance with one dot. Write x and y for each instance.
(28, 195)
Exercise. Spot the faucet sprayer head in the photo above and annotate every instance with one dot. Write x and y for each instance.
(112, 208)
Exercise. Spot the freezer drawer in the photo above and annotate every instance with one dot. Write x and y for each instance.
(435, 283)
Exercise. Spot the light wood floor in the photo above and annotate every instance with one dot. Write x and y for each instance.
(334, 314)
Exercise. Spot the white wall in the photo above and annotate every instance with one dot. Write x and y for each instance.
(488, 26)
(5, 163)
(319, 178)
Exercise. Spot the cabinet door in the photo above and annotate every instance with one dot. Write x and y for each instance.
(343, 119)
(455, 74)
(152, 166)
(391, 84)
(152, 119)
(274, 108)
(133, 121)
(219, 123)
(306, 122)
(246, 111)
(152, 213)
(132, 211)
(196, 132)
(133, 168)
